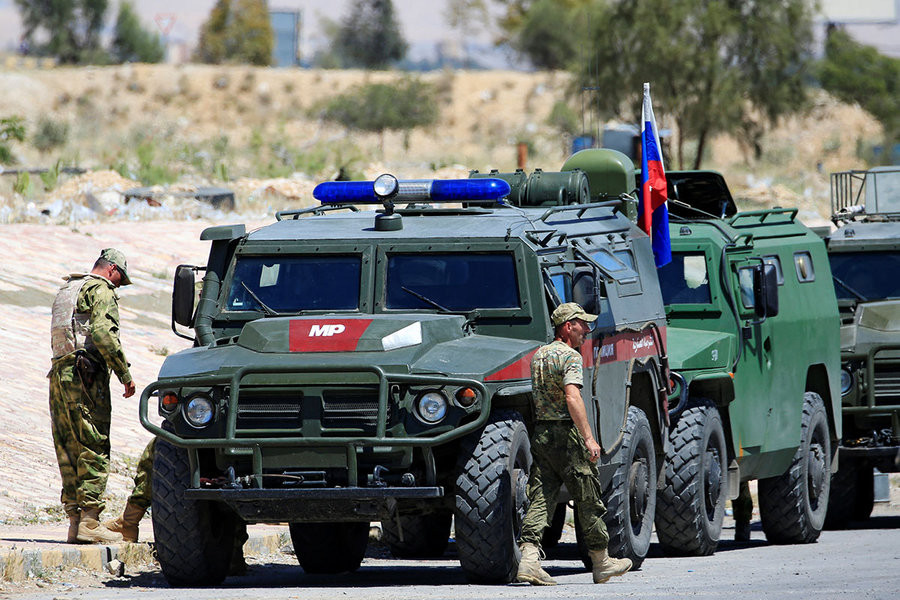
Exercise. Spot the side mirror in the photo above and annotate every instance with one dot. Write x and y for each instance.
(765, 291)
(183, 296)
(584, 289)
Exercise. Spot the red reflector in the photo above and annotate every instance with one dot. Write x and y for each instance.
(169, 401)
(466, 396)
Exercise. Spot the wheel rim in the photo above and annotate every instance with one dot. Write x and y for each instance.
(815, 477)
(520, 499)
(712, 477)
(638, 490)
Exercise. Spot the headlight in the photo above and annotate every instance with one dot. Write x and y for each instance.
(846, 382)
(199, 411)
(432, 406)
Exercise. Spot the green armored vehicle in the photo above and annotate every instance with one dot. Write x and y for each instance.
(752, 333)
(352, 366)
(865, 263)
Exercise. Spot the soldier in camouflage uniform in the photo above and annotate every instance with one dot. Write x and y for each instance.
(564, 451)
(139, 500)
(85, 341)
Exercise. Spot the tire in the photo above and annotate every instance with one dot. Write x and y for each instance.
(491, 498)
(553, 533)
(691, 505)
(630, 498)
(329, 547)
(193, 539)
(424, 536)
(792, 506)
(852, 495)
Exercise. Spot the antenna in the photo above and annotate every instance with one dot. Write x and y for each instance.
(585, 89)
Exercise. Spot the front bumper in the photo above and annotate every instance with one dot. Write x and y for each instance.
(349, 446)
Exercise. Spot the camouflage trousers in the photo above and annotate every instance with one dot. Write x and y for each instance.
(560, 457)
(79, 416)
(742, 506)
(142, 494)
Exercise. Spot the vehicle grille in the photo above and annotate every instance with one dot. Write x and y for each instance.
(270, 412)
(350, 409)
(887, 385)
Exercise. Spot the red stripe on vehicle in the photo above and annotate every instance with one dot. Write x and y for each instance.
(521, 369)
(622, 346)
(326, 335)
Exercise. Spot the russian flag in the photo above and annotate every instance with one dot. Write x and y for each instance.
(653, 213)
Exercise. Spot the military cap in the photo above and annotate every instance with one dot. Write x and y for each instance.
(568, 311)
(116, 257)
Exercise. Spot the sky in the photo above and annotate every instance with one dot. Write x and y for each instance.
(422, 20)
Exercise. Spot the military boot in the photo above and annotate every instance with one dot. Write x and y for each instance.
(128, 523)
(74, 518)
(92, 531)
(530, 570)
(605, 566)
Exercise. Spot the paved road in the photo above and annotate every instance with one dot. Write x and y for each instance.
(861, 563)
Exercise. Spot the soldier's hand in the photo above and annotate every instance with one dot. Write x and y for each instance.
(129, 390)
(593, 449)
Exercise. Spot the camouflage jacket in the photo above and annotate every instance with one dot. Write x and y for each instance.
(552, 368)
(98, 298)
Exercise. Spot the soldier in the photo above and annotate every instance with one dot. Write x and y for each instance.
(139, 500)
(84, 336)
(742, 510)
(564, 451)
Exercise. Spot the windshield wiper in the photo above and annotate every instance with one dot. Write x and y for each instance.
(859, 296)
(426, 300)
(266, 309)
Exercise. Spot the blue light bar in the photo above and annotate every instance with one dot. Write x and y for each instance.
(431, 190)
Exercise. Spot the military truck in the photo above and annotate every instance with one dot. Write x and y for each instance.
(752, 328)
(864, 252)
(352, 366)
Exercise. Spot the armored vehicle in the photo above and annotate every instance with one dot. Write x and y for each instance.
(352, 366)
(752, 328)
(865, 262)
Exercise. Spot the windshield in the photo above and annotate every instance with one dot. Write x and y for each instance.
(871, 275)
(685, 279)
(455, 282)
(290, 284)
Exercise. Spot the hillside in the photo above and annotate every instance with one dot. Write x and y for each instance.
(255, 126)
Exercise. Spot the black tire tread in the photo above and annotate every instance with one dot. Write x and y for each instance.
(188, 552)
(486, 553)
(781, 499)
(679, 519)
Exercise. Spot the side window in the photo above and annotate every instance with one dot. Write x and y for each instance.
(685, 280)
(562, 283)
(776, 263)
(804, 264)
(745, 281)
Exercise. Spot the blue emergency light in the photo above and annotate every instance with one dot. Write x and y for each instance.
(388, 189)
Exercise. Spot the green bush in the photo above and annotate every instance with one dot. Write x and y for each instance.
(378, 107)
(11, 129)
(50, 134)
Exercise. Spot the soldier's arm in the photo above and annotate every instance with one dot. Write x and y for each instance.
(575, 404)
(105, 330)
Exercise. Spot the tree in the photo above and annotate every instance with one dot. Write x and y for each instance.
(369, 35)
(857, 73)
(238, 31)
(714, 66)
(549, 33)
(467, 16)
(379, 107)
(71, 27)
(131, 42)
